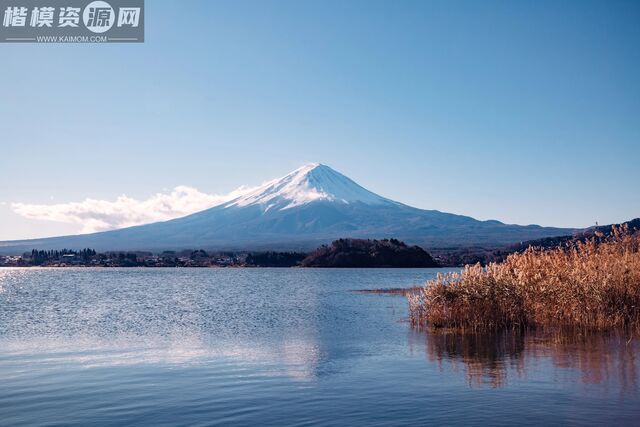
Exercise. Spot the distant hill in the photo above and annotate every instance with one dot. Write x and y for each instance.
(482, 255)
(552, 242)
(311, 206)
(367, 253)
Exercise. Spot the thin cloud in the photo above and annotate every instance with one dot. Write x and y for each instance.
(100, 215)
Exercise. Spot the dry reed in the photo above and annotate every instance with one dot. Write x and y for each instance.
(593, 284)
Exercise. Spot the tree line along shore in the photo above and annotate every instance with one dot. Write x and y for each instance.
(342, 253)
(347, 252)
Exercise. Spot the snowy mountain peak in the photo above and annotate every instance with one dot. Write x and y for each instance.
(310, 206)
(309, 183)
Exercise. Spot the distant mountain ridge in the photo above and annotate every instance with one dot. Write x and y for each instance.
(310, 206)
(471, 255)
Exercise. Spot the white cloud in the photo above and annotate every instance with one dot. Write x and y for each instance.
(99, 215)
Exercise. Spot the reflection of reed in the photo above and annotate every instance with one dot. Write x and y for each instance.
(484, 356)
(488, 358)
(599, 357)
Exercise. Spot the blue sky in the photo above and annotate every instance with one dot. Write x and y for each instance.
(526, 112)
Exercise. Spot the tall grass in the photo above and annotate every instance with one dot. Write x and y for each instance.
(593, 284)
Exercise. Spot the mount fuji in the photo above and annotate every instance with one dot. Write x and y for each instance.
(310, 206)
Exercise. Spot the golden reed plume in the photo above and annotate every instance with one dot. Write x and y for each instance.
(593, 284)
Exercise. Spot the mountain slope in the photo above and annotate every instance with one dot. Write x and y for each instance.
(310, 206)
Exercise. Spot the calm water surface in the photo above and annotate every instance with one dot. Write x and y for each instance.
(157, 347)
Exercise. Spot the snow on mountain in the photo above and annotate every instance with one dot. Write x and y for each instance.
(310, 206)
(310, 183)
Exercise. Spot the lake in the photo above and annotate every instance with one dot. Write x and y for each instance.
(156, 347)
